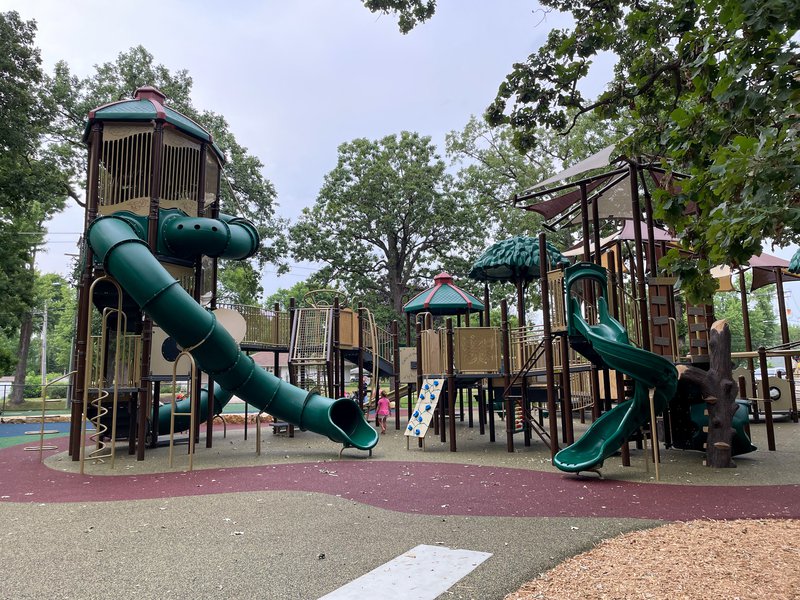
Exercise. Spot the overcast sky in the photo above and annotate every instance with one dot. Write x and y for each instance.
(296, 78)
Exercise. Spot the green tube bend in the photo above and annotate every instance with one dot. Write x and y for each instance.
(128, 259)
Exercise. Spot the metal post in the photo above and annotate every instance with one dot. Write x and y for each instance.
(507, 376)
(641, 291)
(396, 372)
(787, 360)
(451, 385)
(762, 362)
(547, 338)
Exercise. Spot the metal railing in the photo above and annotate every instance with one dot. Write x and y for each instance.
(264, 327)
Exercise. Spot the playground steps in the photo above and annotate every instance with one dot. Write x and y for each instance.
(427, 401)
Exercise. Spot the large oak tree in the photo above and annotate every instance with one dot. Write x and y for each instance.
(387, 218)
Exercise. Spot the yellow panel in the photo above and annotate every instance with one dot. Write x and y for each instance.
(477, 349)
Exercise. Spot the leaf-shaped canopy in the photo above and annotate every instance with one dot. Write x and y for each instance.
(514, 260)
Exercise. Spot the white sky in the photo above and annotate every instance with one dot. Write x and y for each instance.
(296, 78)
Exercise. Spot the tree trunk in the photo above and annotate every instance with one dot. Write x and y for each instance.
(719, 391)
(25, 332)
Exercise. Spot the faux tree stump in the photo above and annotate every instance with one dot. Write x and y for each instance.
(719, 391)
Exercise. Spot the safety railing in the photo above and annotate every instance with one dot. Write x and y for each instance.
(264, 327)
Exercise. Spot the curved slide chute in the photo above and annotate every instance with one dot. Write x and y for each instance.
(608, 343)
(128, 259)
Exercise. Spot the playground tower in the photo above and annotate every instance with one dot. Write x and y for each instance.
(147, 295)
(144, 159)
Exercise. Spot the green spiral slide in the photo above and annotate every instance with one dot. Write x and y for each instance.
(606, 343)
(118, 241)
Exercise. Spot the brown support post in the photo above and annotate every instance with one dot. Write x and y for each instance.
(213, 307)
(154, 433)
(568, 434)
(520, 304)
(486, 310)
(641, 292)
(84, 301)
(451, 385)
(762, 362)
(507, 376)
(748, 339)
(418, 327)
(596, 229)
(152, 241)
(336, 350)
(408, 329)
(615, 292)
(489, 404)
(585, 223)
(198, 291)
(651, 242)
(481, 409)
(396, 372)
(787, 360)
(362, 391)
(547, 337)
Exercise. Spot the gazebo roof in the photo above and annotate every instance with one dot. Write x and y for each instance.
(444, 298)
(148, 105)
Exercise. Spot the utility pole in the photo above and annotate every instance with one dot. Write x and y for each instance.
(44, 346)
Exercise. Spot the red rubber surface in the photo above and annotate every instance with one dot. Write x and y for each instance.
(425, 488)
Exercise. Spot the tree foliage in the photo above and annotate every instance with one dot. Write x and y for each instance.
(764, 327)
(713, 89)
(492, 170)
(33, 186)
(410, 12)
(386, 219)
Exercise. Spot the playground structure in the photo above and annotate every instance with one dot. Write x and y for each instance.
(154, 233)
(147, 301)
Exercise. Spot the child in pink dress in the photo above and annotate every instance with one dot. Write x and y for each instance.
(383, 410)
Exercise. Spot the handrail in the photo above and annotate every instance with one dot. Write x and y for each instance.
(193, 396)
(41, 447)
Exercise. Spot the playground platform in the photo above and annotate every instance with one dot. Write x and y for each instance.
(297, 522)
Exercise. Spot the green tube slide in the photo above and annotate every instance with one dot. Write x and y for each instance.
(609, 342)
(116, 241)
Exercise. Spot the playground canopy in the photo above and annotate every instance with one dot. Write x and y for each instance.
(444, 298)
(625, 233)
(514, 260)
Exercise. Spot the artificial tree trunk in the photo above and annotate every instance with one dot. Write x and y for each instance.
(719, 391)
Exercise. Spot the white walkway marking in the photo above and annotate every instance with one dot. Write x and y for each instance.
(422, 573)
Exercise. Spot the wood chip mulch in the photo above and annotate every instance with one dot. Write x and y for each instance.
(695, 560)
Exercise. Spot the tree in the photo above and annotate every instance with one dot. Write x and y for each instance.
(32, 184)
(387, 217)
(244, 190)
(492, 171)
(713, 88)
(240, 283)
(410, 12)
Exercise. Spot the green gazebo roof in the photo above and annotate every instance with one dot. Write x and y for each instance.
(148, 105)
(444, 298)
